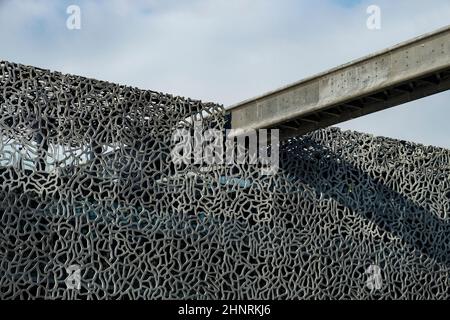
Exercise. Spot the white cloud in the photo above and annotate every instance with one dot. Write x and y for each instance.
(224, 50)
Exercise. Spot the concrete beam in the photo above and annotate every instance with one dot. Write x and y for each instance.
(406, 72)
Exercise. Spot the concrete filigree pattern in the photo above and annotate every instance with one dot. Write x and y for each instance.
(86, 180)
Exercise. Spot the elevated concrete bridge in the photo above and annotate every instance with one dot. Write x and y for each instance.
(403, 73)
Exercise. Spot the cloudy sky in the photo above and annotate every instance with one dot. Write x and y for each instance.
(226, 51)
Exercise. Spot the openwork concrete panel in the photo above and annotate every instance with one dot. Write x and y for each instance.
(87, 180)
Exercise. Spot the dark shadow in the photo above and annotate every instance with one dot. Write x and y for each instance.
(306, 161)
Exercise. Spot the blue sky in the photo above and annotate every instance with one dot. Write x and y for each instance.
(226, 50)
(348, 3)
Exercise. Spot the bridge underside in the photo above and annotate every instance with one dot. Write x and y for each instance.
(404, 73)
(387, 98)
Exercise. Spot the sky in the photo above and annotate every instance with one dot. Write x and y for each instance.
(226, 51)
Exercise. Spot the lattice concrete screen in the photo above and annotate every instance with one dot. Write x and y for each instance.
(86, 180)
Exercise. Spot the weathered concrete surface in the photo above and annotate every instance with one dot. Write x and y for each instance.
(403, 73)
(86, 179)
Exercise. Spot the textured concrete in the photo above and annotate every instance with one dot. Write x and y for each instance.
(80, 162)
(406, 72)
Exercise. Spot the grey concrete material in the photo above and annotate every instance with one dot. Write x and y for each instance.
(423, 59)
(140, 227)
